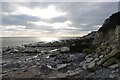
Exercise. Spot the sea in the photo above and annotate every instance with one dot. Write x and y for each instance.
(16, 41)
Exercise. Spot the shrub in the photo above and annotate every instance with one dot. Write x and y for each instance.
(86, 51)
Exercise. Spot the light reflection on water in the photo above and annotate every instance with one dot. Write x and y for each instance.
(48, 39)
(15, 41)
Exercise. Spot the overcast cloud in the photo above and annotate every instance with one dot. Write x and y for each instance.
(54, 18)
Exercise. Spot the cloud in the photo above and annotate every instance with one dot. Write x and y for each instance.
(53, 18)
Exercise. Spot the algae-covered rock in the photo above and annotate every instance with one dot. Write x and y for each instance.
(110, 62)
(115, 53)
(103, 60)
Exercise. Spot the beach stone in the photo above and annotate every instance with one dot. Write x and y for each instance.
(62, 75)
(101, 56)
(96, 56)
(82, 63)
(75, 72)
(89, 60)
(54, 50)
(113, 75)
(45, 69)
(85, 66)
(91, 64)
(65, 49)
(15, 50)
(115, 71)
(96, 59)
(102, 73)
(60, 66)
(114, 66)
(76, 57)
(89, 55)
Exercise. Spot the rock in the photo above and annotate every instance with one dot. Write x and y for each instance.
(91, 64)
(96, 59)
(96, 56)
(113, 75)
(102, 73)
(72, 73)
(45, 69)
(114, 66)
(115, 53)
(115, 71)
(82, 63)
(101, 56)
(62, 75)
(85, 66)
(25, 70)
(54, 50)
(57, 66)
(89, 55)
(51, 56)
(103, 60)
(110, 62)
(89, 60)
(15, 69)
(21, 48)
(76, 57)
(60, 66)
(15, 50)
(65, 49)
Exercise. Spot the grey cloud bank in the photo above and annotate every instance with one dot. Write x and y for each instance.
(79, 18)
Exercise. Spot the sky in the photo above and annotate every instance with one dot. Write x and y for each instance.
(54, 19)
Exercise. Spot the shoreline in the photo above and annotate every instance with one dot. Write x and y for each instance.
(60, 62)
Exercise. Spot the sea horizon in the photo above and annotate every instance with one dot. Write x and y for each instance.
(17, 41)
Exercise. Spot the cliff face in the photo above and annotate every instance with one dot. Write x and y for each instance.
(108, 38)
(107, 42)
(108, 34)
(110, 31)
(110, 23)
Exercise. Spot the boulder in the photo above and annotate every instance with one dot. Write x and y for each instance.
(114, 66)
(110, 62)
(64, 49)
(91, 64)
(85, 66)
(57, 66)
(96, 59)
(114, 75)
(89, 55)
(45, 69)
(15, 50)
(76, 57)
(89, 60)
(115, 53)
(96, 56)
(82, 63)
(101, 56)
(62, 75)
(115, 71)
(72, 73)
(60, 66)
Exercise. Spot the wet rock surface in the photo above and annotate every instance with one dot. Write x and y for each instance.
(39, 62)
(52, 63)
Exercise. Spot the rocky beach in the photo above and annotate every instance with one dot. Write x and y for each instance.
(95, 56)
